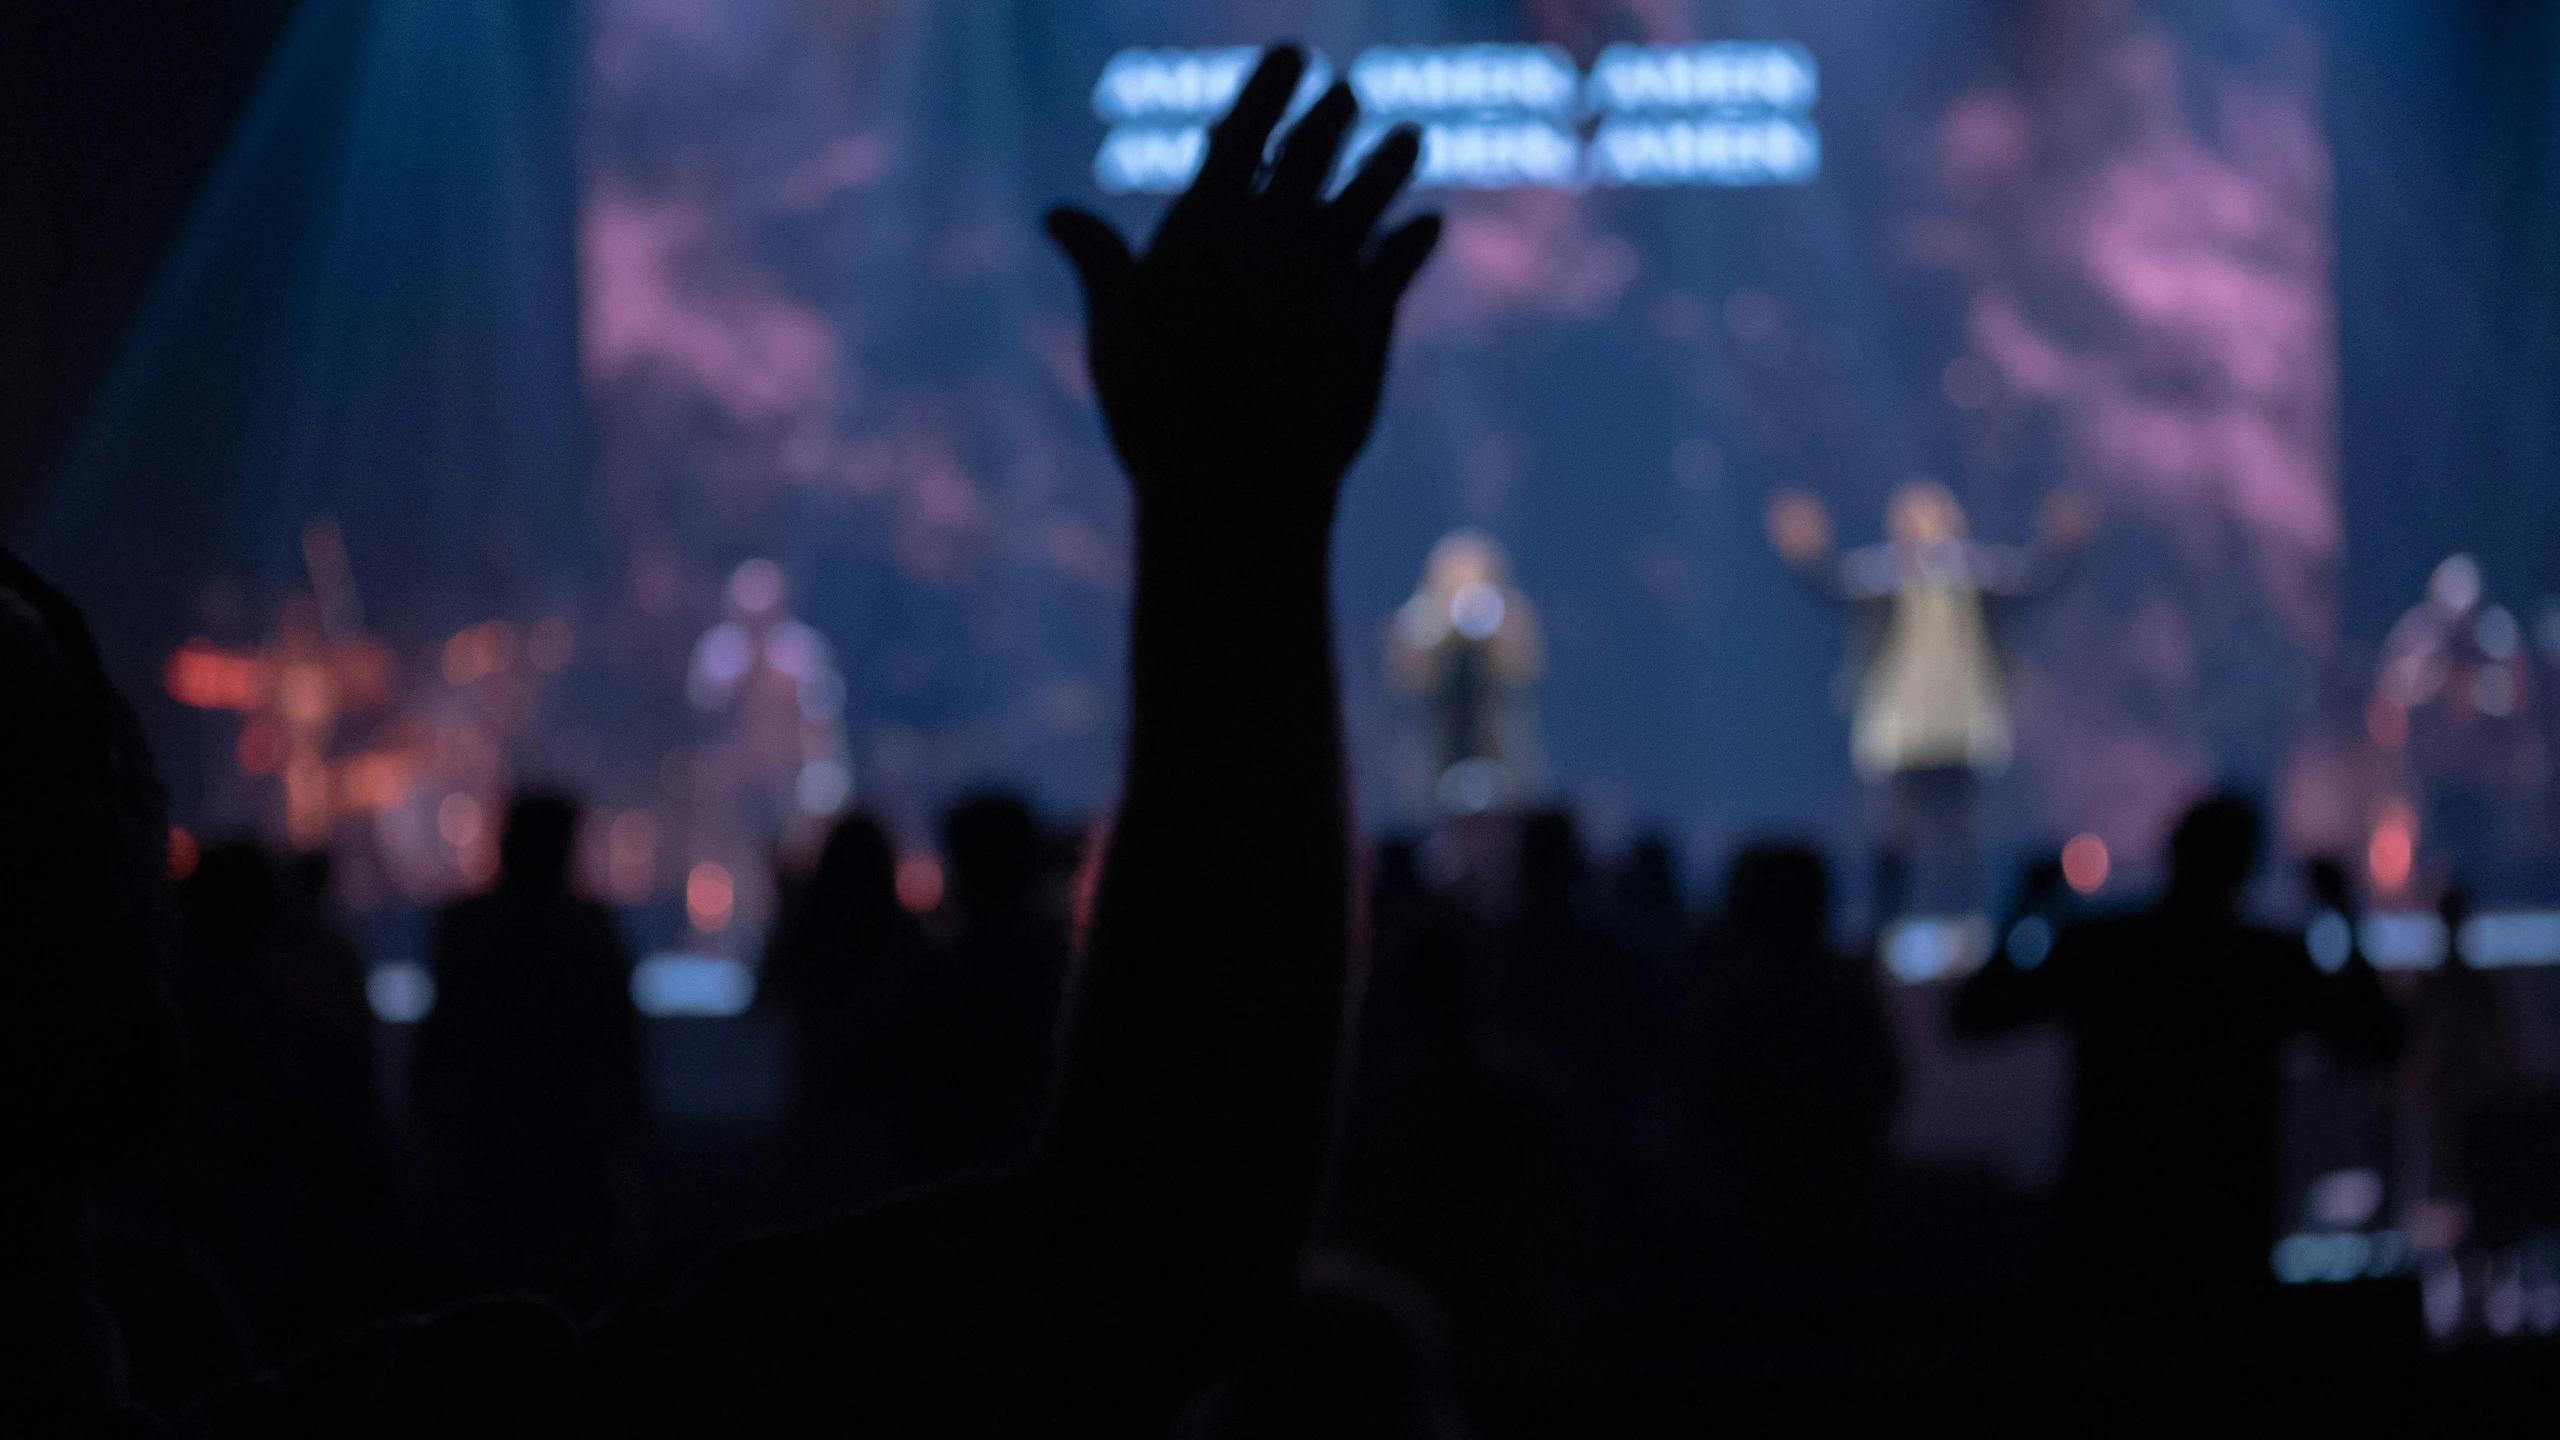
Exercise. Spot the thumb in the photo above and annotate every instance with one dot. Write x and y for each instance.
(1100, 256)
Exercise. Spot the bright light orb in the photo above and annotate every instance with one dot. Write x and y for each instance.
(2085, 863)
(1476, 611)
(709, 897)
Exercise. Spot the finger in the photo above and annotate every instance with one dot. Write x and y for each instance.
(1306, 156)
(1100, 256)
(1389, 165)
(1236, 145)
(1401, 254)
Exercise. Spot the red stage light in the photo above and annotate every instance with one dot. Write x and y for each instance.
(209, 677)
(2394, 846)
(2085, 863)
(709, 897)
(920, 883)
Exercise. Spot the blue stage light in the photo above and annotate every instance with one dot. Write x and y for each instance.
(671, 985)
(1498, 116)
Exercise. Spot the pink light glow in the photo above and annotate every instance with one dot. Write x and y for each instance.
(2165, 297)
(759, 356)
(1513, 253)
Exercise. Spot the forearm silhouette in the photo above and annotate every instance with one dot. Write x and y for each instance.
(1238, 362)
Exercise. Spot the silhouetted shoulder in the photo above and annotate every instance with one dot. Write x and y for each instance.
(594, 917)
(2127, 974)
(924, 1310)
(470, 910)
(2096, 950)
(2104, 936)
(463, 928)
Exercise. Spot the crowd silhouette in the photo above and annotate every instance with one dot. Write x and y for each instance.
(528, 1072)
(2177, 1015)
(1209, 1130)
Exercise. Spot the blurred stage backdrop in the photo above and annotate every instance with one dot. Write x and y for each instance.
(676, 399)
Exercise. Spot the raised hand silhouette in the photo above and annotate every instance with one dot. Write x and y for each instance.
(1239, 360)
(1239, 364)
(1159, 1222)
(1156, 1229)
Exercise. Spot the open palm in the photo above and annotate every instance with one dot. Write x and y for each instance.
(1239, 360)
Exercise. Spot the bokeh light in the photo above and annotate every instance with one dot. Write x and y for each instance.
(2389, 855)
(2085, 863)
(458, 820)
(709, 897)
(920, 883)
(631, 856)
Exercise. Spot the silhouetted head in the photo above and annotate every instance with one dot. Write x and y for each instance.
(1551, 861)
(231, 900)
(1395, 875)
(857, 870)
(1924, 512)
(534, 848)
(1653, 875)
(88, 1043)
(2214, 850)
(1778, 891)
(993, 845)
(311, 882)
(2453, 907)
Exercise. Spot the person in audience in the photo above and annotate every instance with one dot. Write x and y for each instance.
(1102, 1284)
(1790, 1082)
(528, 1066)
(278, 1173)
(1573, 1000)
(976, 1018)
(2178, 1014)
(1154, 1232)
(844, 944)
(1652, 917)
(1457, 1165)
(90, 1057)
(1571, 990)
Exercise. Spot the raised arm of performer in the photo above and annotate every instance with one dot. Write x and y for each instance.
(1800, 531)
(2065, 523)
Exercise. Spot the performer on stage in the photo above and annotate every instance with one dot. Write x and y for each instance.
(1931, 715)
(1467, 644)
(2454, 696)
(774, 771)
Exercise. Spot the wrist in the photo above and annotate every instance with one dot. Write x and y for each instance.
(1232, 532)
